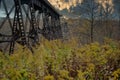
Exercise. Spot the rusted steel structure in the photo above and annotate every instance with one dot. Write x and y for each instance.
(27, 19)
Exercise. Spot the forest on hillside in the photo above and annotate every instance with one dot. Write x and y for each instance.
(95, 21)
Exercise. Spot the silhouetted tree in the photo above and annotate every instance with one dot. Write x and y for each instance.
(108, 16)
(117, 10)
(89, 10)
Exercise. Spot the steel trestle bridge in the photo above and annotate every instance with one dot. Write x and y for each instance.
(25, 20)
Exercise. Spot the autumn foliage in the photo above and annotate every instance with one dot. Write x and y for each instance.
(57, 60)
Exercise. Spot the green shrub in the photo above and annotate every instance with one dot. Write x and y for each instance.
(57, 60)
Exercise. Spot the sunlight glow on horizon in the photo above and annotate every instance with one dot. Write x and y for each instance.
(67, 4)
(62, 5)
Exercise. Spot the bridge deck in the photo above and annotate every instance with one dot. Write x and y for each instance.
(48, 3)
(45, 2)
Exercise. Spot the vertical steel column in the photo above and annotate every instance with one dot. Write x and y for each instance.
(46, 29)
(59, 29)
(17, 32)
(33, 34)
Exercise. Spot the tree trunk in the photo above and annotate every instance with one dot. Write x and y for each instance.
(119, 28)
(91, 32)
(92, 29)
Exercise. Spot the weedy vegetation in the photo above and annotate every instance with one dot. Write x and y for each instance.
(57, 60)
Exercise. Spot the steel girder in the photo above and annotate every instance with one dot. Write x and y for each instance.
(25, 23)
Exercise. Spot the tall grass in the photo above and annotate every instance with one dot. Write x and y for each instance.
(57, 60)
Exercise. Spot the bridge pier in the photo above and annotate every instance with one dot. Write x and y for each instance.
(25, 25)
(18, 31)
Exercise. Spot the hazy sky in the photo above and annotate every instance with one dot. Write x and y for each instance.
(9, 4)
(61, 4)
(2, 14)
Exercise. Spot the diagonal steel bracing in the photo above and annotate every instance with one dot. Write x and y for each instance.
(25, 24)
